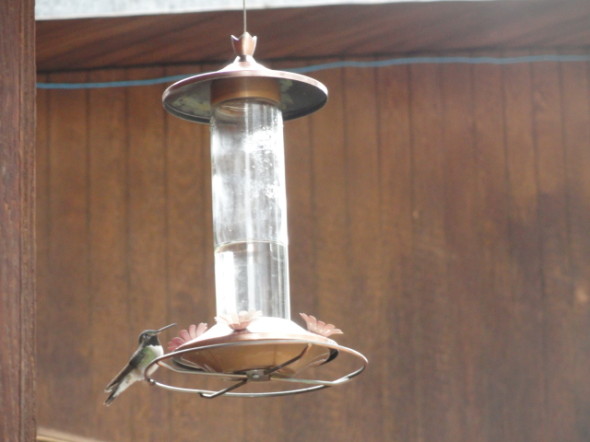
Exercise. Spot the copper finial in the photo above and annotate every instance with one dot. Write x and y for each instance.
(244, 46)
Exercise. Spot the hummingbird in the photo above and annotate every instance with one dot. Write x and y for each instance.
(149, 349)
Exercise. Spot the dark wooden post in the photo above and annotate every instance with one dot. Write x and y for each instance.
(17, 237)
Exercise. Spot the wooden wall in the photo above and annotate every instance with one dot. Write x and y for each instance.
(438, 214)
(17, 220)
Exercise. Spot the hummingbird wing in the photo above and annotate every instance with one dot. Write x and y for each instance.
(131, 365)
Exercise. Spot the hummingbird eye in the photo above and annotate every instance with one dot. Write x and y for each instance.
(144, 336)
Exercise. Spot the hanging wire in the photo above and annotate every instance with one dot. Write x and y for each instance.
(244, 15)
(554, 58)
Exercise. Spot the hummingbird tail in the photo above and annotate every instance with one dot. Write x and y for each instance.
(109, 400)
(119, 385)
(114, 391)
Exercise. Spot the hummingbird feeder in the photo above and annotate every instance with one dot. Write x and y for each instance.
(254, 342)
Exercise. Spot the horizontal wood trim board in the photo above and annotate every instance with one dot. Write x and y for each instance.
(334, 31)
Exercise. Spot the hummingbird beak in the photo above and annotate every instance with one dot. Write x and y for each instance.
(164, 328)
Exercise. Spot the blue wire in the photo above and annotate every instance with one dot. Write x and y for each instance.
(442, 60)
(124, 83)
(342, 64)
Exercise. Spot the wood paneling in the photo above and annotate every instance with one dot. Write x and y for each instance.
(491, 373)
(107, 237)
(329, 31)
(438, 214)
(395, 210)
(571, 314)
(17, 221)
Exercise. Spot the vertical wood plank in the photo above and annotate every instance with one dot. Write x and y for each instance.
(363, 229)
(462, 210)
(42, 219)
(64, 306)
(575, 90)
(17, 220)
(438, 414)
(398, 378)
(147, 242)
(147, 235)
(109, 309)
(492, 229)
(526, 314)
(556, 269)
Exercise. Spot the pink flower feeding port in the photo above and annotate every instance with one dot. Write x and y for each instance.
(254, 349)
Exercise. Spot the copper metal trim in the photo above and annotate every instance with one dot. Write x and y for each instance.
(247, 87)
(190, 98)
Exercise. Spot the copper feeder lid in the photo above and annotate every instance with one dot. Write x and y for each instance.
(269, 349)
(191, 98)
(271, 342)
